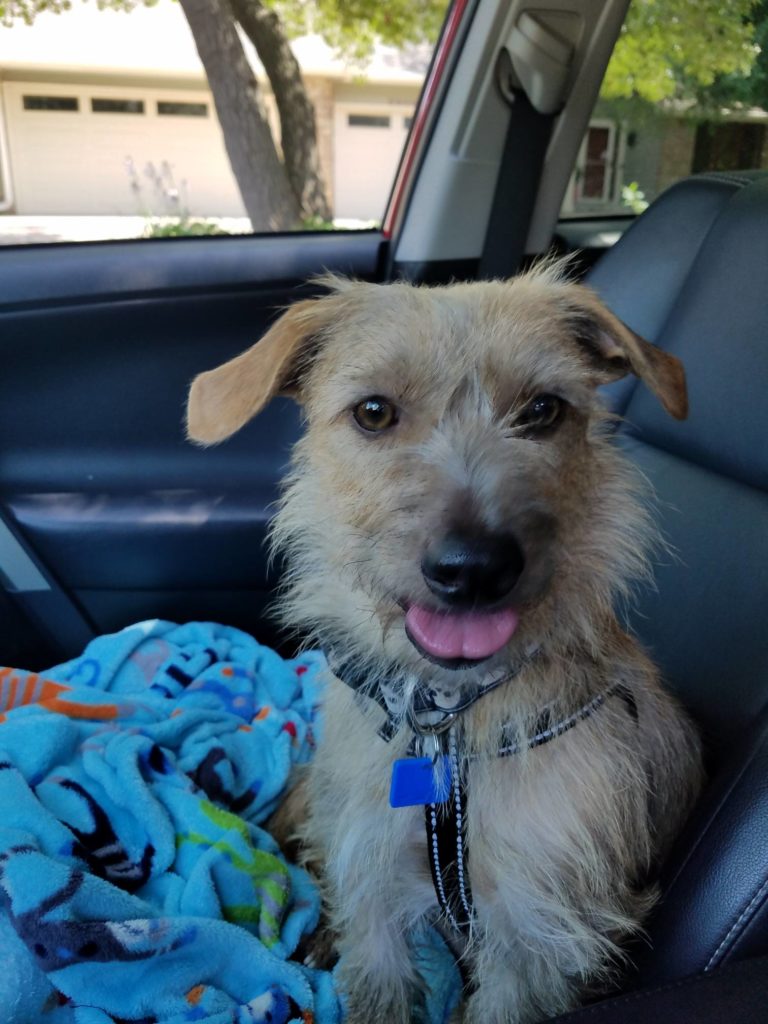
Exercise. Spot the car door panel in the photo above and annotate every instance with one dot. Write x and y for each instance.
(122, 516)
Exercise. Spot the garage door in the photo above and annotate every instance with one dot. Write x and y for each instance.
(368, 141)
(117, 150)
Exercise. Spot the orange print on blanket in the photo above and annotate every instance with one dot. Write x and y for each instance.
(19, 690)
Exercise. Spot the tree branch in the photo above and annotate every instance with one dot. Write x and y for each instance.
(261, 177)
(297, 114)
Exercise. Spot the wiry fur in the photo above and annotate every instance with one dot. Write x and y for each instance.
(561, 838)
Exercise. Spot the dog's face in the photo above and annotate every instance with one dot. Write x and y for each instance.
(454, 491)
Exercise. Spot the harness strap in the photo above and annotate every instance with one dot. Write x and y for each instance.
(446, 823)
(423, 714)
(446, 843)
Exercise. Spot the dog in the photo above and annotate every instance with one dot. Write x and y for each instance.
(459, 527)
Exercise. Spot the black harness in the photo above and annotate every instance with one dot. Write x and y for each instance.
(446, 822)
(446, 817)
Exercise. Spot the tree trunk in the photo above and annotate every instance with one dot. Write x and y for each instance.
(297, 115)
(267, 195)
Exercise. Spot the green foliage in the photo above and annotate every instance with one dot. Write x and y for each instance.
(633, 197)
(670, 49)
(748, 90)
(315, 224)
(351, 26)
(698, 52)
(26, 10)
(182, 227)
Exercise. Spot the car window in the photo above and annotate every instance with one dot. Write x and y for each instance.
(686, 91)
(126, 120)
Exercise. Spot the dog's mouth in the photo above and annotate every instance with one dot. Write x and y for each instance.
(457, 639)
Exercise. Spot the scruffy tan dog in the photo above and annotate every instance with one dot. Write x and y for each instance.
(459, 526)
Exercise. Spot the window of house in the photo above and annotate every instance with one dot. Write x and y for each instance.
(595, 183)
(102, 106)
(368, 121)
(728, 146)
(51, 103)
(175, 109)
(597, 163)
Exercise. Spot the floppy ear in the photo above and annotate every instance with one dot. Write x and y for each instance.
(617, 351)
(221, 401)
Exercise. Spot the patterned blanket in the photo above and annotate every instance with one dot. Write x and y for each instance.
(136, 881)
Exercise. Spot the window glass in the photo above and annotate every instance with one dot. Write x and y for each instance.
(51, 103)
(110, 126)
(182, 109)
(597, 163)
(686, 91)
(117, 106)
(368, 121)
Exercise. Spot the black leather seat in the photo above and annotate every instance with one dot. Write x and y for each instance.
(691, 275)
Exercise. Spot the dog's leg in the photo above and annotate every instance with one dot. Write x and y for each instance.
(377, 897)
(375, 970)
(372, 912)
(553, 900)
(376, 876)
(515, 985)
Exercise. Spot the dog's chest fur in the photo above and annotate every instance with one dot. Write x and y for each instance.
(557, 836)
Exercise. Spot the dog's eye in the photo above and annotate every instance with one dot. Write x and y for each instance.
(542, 412)
(375, 414)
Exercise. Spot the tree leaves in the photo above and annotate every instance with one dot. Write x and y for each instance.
(352, 26)
(671, 49)
(667, 50)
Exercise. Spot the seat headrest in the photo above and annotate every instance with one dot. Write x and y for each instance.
(692, 276)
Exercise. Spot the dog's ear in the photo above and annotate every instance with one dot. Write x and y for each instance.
(221, 401)
(616, 351)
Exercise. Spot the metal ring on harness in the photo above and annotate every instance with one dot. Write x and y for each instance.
(431, 730)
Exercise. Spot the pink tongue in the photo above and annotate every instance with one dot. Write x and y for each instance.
(451, 635)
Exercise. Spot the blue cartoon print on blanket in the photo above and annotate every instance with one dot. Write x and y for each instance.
(136, 880)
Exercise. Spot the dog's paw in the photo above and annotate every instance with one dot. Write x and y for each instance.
(318, 950)
(370, 1002)
(361, 1010)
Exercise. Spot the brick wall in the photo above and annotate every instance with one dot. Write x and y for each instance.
(676, 153)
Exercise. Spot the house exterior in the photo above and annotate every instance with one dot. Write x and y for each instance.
(632, 142)
(107, 112)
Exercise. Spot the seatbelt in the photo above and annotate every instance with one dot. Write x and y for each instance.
(525, 147)
(532, 71)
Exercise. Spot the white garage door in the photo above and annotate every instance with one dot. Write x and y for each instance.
(368, 141)
(117, 150)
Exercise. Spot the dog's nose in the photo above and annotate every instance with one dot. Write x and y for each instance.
(473, 568)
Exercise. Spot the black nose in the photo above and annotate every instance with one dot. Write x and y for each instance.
(473, 568)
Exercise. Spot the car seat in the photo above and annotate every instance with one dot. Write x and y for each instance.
(691, 275)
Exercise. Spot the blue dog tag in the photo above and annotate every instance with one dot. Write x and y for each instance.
(415, 780)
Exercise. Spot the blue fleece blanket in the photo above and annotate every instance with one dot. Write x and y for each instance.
(136, 881)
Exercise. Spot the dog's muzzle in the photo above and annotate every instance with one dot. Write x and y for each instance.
(473, 575)
(473, 570)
